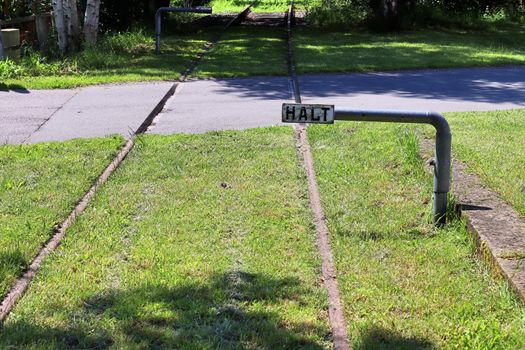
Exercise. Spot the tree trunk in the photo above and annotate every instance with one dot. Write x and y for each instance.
(41, 24)
(60, 25)
(2, 52)
(91, 21)
(72, 24)
(7, 5)
(42, 31)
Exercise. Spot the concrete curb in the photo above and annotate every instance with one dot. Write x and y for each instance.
(497, 228)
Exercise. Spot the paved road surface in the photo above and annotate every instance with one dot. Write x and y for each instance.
(205, 105)
(58, 115)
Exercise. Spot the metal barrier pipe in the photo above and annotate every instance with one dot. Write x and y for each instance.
(158, 19)
(442, 161)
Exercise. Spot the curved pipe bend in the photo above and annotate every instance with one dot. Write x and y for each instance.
(442, 164)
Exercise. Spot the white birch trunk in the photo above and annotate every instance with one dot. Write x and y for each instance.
(60, 25)
(91, 21)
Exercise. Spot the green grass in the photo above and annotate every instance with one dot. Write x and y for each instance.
(119, 58)
(196, 242)
(324, 51)
(259, 5)
(39, 185)
(246, 51)
(492, 145)
(404, 284)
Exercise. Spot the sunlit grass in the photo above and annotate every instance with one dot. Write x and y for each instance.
(358, 51)
(39, 186)
(246, 51)
(116, 60)
(196, 242)
(404, 284)
(492, 145)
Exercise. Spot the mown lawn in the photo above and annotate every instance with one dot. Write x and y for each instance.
(404, 284)
(196, 242)
(492, 145)
(39, 186)
(318, 50)
(245, 51)
(128, 57)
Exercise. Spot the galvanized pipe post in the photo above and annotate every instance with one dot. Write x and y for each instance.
(158, 19)
(442, 163)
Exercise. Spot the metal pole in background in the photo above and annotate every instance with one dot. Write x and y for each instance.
(2, 51)
(442, 163)
(158, 19)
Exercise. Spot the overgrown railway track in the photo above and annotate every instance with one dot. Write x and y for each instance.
(22, 283)
(336, 318)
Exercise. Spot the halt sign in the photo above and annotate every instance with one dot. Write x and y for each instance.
(308, 113)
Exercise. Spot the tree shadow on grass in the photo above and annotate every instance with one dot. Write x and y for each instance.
(382, 339)
(12, 263)
(230, 311)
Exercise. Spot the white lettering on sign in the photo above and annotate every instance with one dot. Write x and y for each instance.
(307, 113)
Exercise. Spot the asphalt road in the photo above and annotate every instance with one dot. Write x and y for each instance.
(57, 115)
(206, 105)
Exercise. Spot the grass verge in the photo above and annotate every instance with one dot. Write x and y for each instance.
(245, 51)
(39, 185)
(404, 284)
(196, 242)
(491, 144)
(119, 58)
(324, 51)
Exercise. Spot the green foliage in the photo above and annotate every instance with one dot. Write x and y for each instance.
(404, 284)
(32, 64)
(39, 185)
(9, 69)
(345, 13)
(407, 13)
(193, 243)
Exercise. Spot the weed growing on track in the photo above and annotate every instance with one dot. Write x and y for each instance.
(39, 186)
(196, 242)
(319, 51)
(246, 51)
(404, 284)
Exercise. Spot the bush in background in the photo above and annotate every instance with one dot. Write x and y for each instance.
(403, 14)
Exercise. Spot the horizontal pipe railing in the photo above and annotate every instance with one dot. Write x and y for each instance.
(442, 163)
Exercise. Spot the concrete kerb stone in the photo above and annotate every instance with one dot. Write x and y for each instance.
(497, 228)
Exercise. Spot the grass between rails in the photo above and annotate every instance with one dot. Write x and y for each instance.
(491, 144)
(196, 242)
(404, 284)
(39, 185)
(323, 51)
(245, 51)
(128, 57)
